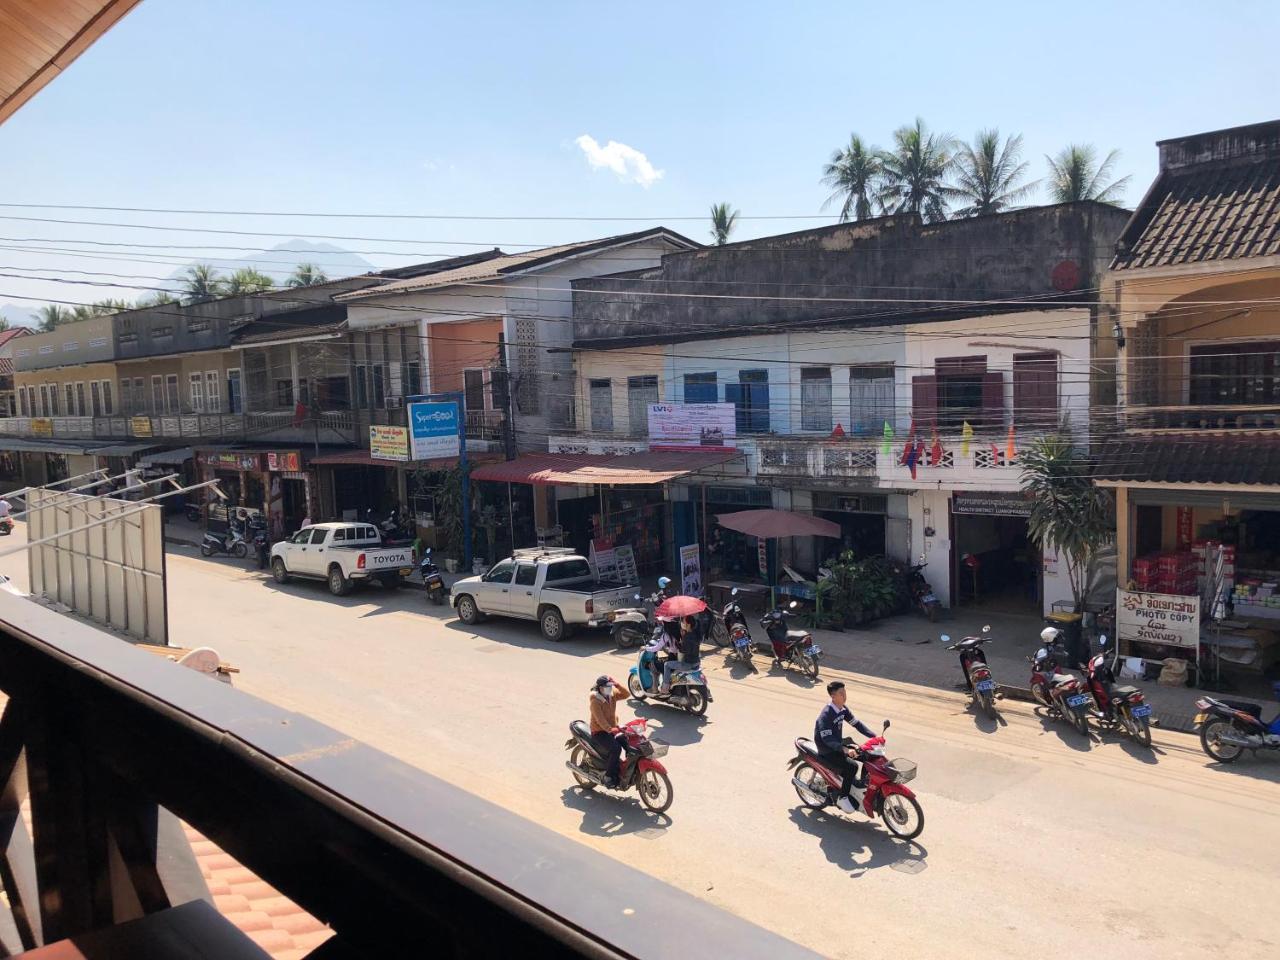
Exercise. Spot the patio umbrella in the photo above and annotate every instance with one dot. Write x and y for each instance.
(769, 524)
(681, 606)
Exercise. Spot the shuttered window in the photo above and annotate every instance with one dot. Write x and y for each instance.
(871, 398)
(1035, 388)
(700, 388)
(815, 398)
(641, 391)
(750, 398)
(600, 396)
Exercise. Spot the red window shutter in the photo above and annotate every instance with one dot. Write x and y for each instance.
(924, 401)
(992, 399)
(1035, 388)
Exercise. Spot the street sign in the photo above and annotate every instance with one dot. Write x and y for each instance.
(434, 430)
(388, 443)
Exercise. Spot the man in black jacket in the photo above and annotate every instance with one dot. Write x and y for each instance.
(690, 652)
(828, 734)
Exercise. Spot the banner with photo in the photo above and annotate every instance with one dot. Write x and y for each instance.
(691, 426)
(690, 571)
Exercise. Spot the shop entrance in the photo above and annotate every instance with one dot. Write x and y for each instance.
(862, 524)
(294, 495)
(359, 488)
(730, 554)
(995, 566)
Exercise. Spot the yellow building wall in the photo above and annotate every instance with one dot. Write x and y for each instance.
(616, 366)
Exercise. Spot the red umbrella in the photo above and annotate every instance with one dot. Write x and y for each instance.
(679, 607)
(778, 523)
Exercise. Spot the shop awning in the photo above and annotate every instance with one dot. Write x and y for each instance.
(632, 469)
(362, 458)
(167, 457)
(1186, 458)
(44, 446)
(121, 449)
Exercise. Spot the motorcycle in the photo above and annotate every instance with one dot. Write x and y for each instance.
(1062, 693)
(232, 543)
(641, 767)
(1121, 707)
(432, 581)
(921, 593)
(632, 626)
(885, 795)
(6, 526)
(736, 625)
(974, 664)
(791, 646)
(1229, 728)
(689, 689)
(713, 626)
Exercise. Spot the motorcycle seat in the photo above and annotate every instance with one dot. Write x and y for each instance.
(808, 748)
(1121, 692)
(1060, 678)
(583, 733)
(797, 634)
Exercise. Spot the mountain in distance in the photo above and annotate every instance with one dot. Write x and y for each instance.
(18, 315)
(280, 261)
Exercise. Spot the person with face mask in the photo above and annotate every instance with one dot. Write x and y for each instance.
(605, 732)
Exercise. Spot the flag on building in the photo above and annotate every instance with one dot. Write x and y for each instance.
(911, 456)
(1010, 446)
(935, 449)
(887, 446)
(910, 445)
(966, 434)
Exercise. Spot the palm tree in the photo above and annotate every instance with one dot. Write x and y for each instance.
(915, 173)
(306, 275)
(854, 176)
(247, 280)
(157, 299)
(202, 282)
(51, 316)
(990, 175)
(723, 219)
(1075, 174)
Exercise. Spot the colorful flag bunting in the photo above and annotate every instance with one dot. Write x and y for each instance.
(966, 434)
(886, 447)
(1011, 446)
(935, 449)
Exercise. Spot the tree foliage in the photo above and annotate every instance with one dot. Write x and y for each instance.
(53, 315)
(247, 280)
(1075, 174)
(854, 173)
(1069, 512)
(915, 173)
(989, 175)
(723, 219)
(306, 275)
(202, 282)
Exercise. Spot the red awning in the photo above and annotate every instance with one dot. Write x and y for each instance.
(361, 458)
(632, 469)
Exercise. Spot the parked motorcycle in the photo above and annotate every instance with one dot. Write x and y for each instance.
(974, 664)
(791, 646)
(1062, 693)
(1229, 728)
(922, 594)
(713, 627)
(689, 690)
(1120, 707)
(885, 795)
(230, 542)
(735, 622)
(432, 581)
(641, 766)
(192, 510)
(633, 626)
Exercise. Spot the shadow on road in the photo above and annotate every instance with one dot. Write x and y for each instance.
(614, 815)
(671, 726)
(1261, 766)
(857, 845)
(984, 723)
(1052, 723)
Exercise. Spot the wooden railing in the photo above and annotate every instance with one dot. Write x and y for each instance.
(1198, 418)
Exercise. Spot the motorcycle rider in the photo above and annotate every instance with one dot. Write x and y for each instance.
(605, 732)
(690, 653)
(665, 647)
(665, 590)
(828, 734)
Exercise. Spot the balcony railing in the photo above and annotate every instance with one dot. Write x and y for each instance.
(1197, 418)
(801, 458)
(112, 747)
(830, 460)
(187, 426)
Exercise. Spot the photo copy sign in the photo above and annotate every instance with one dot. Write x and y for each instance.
(433, 430)
(1164, 618)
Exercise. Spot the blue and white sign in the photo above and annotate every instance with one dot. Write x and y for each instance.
(433, 430)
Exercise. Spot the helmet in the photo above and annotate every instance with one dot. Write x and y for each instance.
(1049, 634)
(600, 681)
(664, 582)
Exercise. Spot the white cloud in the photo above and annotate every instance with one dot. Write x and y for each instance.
(627, 163)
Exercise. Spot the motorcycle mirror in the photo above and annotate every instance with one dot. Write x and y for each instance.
(637, 596)
(733, 592)
(886, 725)
(944, 638)
(792, 605)
(986, 628)
(1102, 640)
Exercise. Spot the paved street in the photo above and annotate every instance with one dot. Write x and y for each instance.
(1034, 839)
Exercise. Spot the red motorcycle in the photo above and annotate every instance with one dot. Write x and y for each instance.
(974, 664)
(885, 795)
(1122, 707)
(1062, 693)
(640, 766)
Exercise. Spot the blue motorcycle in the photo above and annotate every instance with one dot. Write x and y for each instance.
(688, 686)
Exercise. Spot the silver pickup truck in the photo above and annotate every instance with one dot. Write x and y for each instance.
(555, 587)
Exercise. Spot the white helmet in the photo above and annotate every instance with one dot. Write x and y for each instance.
(1049, 634)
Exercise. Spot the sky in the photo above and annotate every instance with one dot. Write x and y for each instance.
(614, 117)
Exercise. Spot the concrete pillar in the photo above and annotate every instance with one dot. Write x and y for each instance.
(1123, 536)
(293, 371)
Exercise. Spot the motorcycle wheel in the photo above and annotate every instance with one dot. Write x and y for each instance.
(1042, 698)
(1080, 720)
(1211, 743)
(206, 550)
(902, 815)
(1138, 730)
(579, 759)
(655, 791)
(814, 799)
(931, 611)
(719, 633)
(635, 687)
(697, 702)
(437, 597)
(625, 638)
(989, 705)
(239, 550)
(810, 666)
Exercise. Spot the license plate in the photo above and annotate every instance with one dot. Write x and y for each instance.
(1201, 718)
(1140, 711)
(434, 581)
(929, 598)
(814, 651)
(985, 686)
(1077, 700)
(740, 642)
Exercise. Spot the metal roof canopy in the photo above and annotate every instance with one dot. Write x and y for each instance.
(631, 469)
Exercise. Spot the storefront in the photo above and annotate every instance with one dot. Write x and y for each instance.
(272, 481)
(863, 520)
(994, 564)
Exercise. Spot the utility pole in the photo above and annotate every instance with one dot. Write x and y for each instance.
(508, 420)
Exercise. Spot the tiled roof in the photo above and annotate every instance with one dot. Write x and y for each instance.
(7, 335)
(495, 267)
(1238, 458)
(274, 922)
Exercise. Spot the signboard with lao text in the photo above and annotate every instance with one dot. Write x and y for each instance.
(434, 430)
(690, 571)
(284, 462)
(41, 427)
(691, 426)
(604, 560)
(1164, 618)
(625, 564)
(231, 461)
(990, 505)
(389, 443)
(140, 426)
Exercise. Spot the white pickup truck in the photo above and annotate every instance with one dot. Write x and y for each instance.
(341, 554)
(555, 587)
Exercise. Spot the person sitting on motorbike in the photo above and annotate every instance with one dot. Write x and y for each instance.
(665, 589)
(665, 646)
(828, 734)
(605, 732)
(690, 652)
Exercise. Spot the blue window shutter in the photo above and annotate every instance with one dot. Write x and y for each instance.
(733, 394)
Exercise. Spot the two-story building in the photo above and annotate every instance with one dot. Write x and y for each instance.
(883, 375)
(1195, 455)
